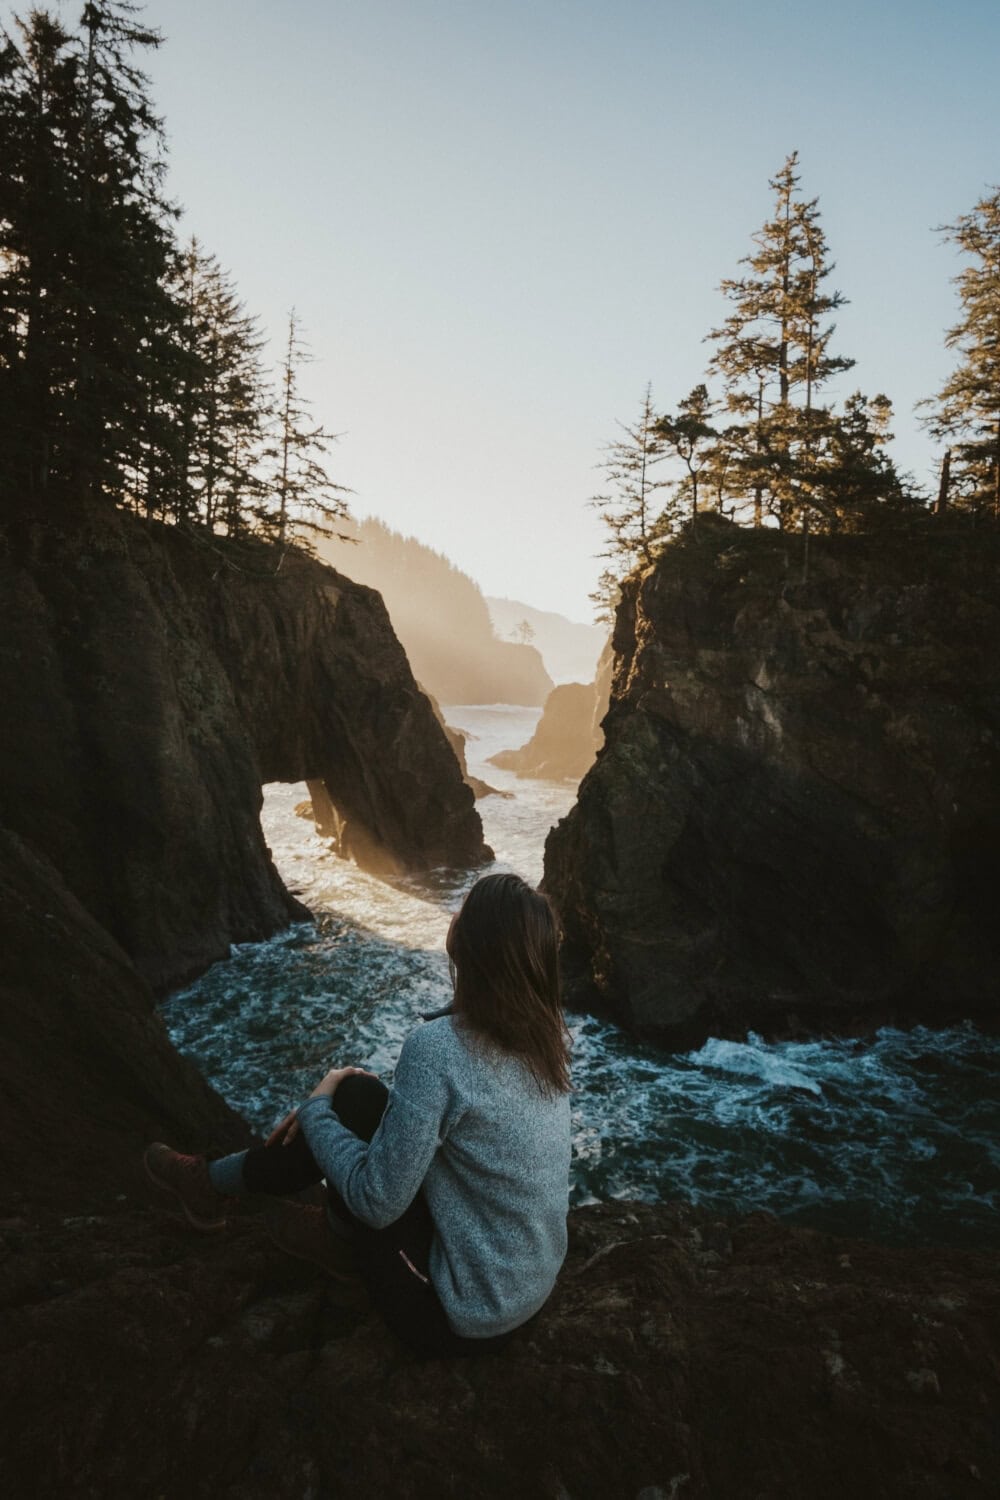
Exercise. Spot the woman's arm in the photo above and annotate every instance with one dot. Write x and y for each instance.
(378, 1181)
(287, 1129)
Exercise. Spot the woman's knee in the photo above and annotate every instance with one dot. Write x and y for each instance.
(359, 1103)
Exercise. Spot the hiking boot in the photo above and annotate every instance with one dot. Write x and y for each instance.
(186, 1177)
(303, 1231)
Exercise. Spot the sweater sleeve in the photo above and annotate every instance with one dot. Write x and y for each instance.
(379, 1180)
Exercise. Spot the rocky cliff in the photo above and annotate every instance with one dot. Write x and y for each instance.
(795, 820)
(680, 1356)
(153, 680)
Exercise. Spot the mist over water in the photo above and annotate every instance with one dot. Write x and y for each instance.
(895, 1139)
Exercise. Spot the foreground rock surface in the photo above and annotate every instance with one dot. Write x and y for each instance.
(153, 680)
(795, 821)
(679, 1356)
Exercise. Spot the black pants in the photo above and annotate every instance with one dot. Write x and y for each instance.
(393, 1262)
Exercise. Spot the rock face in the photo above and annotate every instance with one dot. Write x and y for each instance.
(456, 739)
(795, 820)
(679, 1356)
(88, 1075)
(152, 682)
(564, 743)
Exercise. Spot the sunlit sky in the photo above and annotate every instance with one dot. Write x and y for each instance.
(499, 219)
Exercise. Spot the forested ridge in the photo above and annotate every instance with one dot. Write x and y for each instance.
(439, 614)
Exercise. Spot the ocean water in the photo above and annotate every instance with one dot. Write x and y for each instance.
(895, 1138)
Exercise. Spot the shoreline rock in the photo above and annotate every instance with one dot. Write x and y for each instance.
(567, 737)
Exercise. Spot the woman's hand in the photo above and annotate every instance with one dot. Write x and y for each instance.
(333, 1079)
(285, 1132)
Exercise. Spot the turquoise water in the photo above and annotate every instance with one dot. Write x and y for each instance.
(896, 1138)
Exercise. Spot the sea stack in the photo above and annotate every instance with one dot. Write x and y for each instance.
(795, 821)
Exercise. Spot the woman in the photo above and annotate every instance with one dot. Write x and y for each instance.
(448, 1194)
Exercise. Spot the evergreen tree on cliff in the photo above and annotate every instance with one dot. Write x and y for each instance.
(966, 412)
(300, 491)
(84, 242)
(857, 484)
(773, 354)
(221, 402)
(688, 435)
(37, 200)
(628, 507)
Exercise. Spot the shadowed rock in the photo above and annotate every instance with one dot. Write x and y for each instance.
(153, 680)
(88, 1075)
(795, 821)
(456, 739)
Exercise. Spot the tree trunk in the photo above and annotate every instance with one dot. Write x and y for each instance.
(941, 504)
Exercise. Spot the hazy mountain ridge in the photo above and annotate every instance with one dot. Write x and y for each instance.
(569, 648)
(440, 616)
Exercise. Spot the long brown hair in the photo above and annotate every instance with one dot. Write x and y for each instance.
(503, 945)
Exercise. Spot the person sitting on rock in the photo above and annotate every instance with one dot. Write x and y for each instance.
(448, 1194)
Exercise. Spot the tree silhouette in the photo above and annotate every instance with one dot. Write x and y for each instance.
(84, 240)
(773, 354)
(966, 411)
(688, 435)
(628, 507)
(300, 491)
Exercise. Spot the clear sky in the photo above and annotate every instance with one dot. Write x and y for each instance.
(499, 219)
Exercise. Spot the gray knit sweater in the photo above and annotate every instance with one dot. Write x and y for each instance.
(491, 1152)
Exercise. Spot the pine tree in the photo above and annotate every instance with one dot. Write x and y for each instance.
(300, 491)
(688, 435)
(857, 481)
(37, 218)
(966, 412)
(84, 238)
(221, 402)
(628, 507)
(773, 355)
